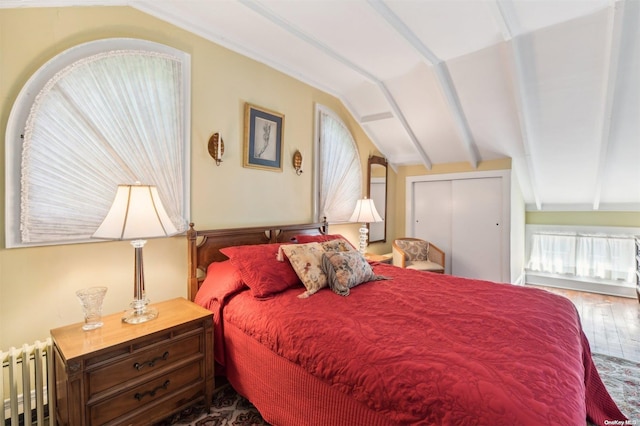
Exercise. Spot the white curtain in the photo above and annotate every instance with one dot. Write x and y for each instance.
(605, 257)
(108, 119)
(340, 170)
(553, 253)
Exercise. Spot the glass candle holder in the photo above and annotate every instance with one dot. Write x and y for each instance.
(91, 301)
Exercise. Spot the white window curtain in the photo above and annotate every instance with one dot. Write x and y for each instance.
(582, 255)
(115, 117)
(340, 170)
(609, 258)
(553, 253)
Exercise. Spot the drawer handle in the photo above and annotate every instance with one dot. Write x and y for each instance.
(139, 366)
(139, 395)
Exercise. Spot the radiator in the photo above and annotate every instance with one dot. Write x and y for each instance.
(26, 385)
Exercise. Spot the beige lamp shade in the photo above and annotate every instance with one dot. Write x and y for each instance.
(365, 212)
(136, 214)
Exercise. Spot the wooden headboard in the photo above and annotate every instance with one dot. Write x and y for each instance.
(204, 246)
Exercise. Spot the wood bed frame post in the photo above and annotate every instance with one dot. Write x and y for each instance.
(192, 283)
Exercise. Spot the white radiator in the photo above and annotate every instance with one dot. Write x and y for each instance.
(26, 385)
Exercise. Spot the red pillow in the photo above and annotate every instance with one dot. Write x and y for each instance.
(223, 279)
(260, 269)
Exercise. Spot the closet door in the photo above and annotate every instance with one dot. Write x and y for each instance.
(432, 215)
(464, 217)
(476, 228)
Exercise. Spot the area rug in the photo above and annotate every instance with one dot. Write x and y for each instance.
(621, 377)
(227, 409)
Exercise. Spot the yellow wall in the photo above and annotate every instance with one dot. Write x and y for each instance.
(599, 218)
(37, 285)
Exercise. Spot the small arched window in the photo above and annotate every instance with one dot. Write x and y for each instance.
(109, 112)
(339, 169)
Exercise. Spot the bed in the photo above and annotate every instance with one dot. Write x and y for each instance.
(403, 348)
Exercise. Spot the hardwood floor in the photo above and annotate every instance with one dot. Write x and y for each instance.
(612, 324)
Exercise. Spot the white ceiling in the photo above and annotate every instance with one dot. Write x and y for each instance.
(552, 84)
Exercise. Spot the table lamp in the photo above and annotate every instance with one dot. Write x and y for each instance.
(137, 214)
(365, 212)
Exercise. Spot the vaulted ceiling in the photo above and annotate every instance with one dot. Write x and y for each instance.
(552, 84)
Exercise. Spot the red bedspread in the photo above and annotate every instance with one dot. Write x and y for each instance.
(424, 348)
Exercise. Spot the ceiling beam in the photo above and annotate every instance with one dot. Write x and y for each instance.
(376, 117)
(505, 16)
(615, 22)
(171, 16)
(387, 94)
(442, 74)
(291, 29)
(167, 12)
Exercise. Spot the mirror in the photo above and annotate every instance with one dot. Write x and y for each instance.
(377, 191)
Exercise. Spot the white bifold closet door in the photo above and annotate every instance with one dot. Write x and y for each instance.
(464, 218)
(432, 215)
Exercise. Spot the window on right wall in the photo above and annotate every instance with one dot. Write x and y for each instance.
(598, 259)
(338, 168)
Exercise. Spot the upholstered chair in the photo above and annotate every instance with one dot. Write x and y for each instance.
(414, 253)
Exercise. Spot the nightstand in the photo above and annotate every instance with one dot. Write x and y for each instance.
(382, 258)
(134, 373)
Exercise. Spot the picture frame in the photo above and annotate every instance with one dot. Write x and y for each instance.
(263, 138)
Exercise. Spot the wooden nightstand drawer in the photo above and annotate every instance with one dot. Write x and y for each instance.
(172, 403)
(143, 363)
(146, 393)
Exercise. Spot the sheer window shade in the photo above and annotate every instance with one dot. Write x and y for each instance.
(340, 169)
(108, 118)
(582, 255)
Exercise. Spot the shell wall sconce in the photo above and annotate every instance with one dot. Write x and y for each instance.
(297, 162)
(216, 148)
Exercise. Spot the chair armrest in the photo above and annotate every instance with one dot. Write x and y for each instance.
(436, 255)
(398, 256)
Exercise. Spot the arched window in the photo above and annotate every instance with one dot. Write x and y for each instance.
(109, 112)
(339, 168)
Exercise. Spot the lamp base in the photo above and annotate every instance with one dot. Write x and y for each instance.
(139, 313)
(364, 231)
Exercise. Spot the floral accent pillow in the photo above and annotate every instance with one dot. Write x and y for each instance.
(346, 270)
(339, 244)
(306, 261)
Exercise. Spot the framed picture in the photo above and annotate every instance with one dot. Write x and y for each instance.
(263, 138)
